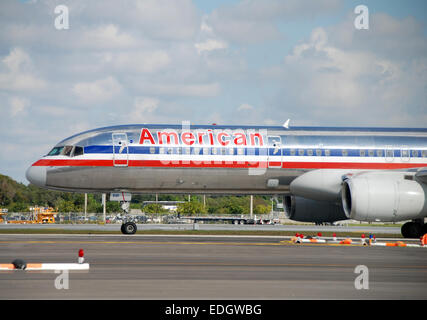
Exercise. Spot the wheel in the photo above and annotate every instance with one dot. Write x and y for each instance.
(128, 228)
(412, 230)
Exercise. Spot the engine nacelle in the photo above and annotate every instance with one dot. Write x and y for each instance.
(384, 196)
(307, 210)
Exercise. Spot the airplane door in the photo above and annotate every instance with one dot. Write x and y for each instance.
(274, 152)
(120, 150)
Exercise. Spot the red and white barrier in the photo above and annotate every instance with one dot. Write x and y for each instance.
(46, 266)
(299, 238)
(21, 265)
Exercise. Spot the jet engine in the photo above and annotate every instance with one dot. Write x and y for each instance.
(307, 210)
(387, 196)
(384, 196)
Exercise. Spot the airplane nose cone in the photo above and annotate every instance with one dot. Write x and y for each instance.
(36, 175)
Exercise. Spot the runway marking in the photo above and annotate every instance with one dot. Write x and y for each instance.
(419, 268)
(145, 242)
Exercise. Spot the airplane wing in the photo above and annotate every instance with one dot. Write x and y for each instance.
(421, 175)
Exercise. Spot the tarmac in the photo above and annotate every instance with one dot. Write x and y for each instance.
(221, 267)
(222, 227)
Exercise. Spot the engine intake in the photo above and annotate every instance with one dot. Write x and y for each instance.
(307, 210)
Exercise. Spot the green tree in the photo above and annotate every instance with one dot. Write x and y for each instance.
(191, 208)
(154, 208)
(65, 206)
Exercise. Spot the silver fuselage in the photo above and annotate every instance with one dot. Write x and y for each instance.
(219, 159)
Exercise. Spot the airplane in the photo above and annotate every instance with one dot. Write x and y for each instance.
(324, 174)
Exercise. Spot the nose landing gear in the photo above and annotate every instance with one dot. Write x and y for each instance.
(128, 226)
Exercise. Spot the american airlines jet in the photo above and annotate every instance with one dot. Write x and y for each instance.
(323, 174)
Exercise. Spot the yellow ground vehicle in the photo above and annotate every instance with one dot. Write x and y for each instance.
(39, 215)
(1, 214)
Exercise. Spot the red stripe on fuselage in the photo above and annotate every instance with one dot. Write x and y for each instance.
(226, 164)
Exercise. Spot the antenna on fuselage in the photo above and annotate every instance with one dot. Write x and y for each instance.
(286, 124)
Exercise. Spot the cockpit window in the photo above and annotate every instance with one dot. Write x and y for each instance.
(55, 151)
(78, 151)
(67, 151)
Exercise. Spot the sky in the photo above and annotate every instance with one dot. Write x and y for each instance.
(226, 62)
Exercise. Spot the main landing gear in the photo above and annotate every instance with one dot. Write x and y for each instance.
(414, 229)
(128, 226)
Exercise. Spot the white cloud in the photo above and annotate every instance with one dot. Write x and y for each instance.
(210, 45)
(329, 81)
(97, 91)
(251, 22)
(165, 19)
(192, 90)
(17, 60)
(19, 72)
(106, 36)
(18, 106)
(138, 61)
(143, 109)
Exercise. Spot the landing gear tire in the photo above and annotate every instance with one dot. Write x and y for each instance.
(412, 230)
(128, 228)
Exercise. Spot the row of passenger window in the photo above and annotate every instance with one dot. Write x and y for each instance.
(389, 153)
(292, 152)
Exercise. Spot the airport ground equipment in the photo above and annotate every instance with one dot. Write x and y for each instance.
(39, 215)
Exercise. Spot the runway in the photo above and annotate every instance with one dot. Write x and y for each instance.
(209, 227)
(186, 267)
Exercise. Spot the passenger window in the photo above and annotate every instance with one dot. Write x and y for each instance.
(327, 152)
(344, 153)
(187, 150)
(301, 152)
(389, 153)
(371, 153)
(161, 150)
(214, 150)
(310, 152)
(152, 150)
(240, 151)
(318, 152)
(363, 153)
(415, 153)
(293, 152)
(78, 151)
(379, 153)
(205, 151)
(424, 153)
